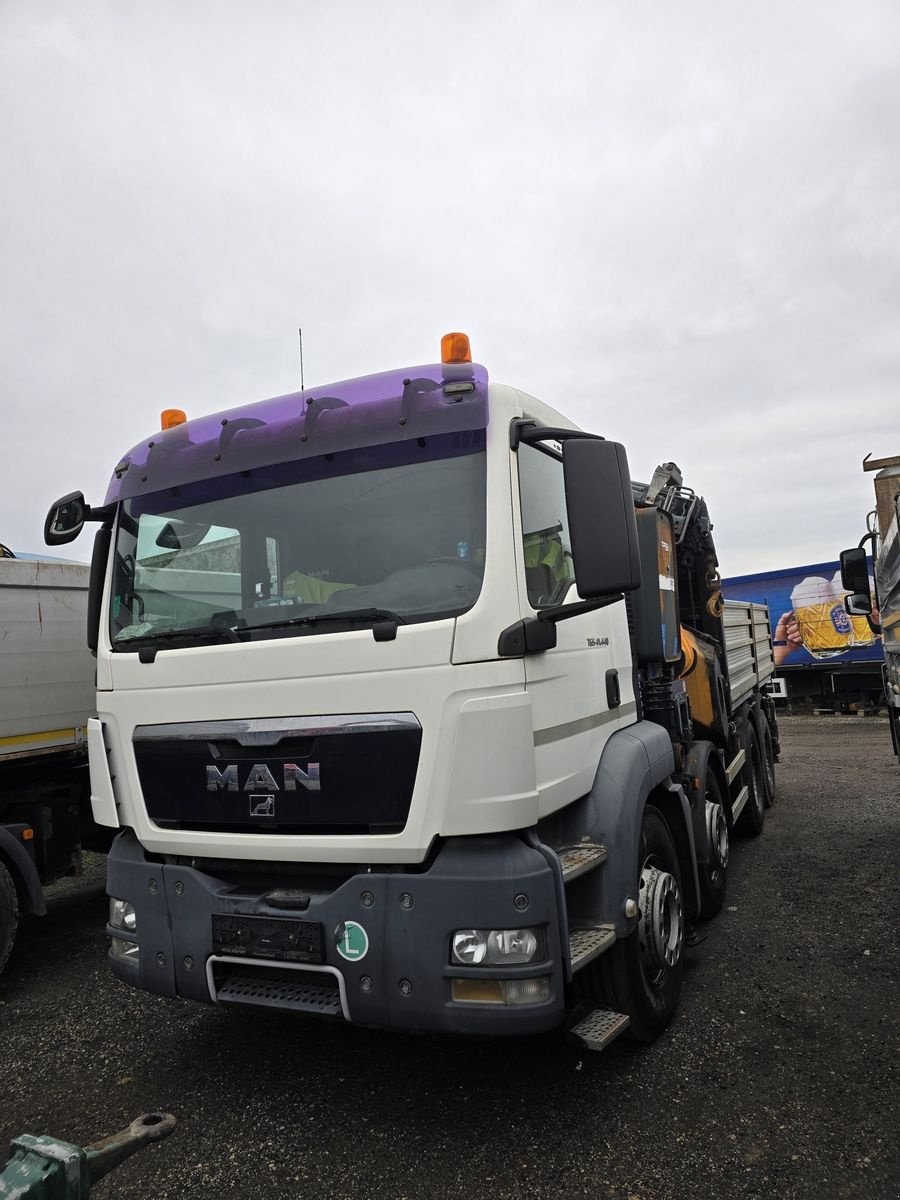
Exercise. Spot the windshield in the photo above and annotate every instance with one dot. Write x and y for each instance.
(346, 539)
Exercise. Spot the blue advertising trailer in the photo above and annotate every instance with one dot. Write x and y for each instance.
(823, 657)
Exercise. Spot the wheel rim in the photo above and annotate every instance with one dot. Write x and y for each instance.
(717, 834)
(662, 922)
(756, 783)
(768, 766)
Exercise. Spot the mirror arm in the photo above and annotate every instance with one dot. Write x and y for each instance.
(562, 612)
(523, 429)
(104, 513)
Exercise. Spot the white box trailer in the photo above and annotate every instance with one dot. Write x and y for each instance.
(47, 680)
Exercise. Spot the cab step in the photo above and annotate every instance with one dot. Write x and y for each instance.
(589, 942)
(599, 1028)
(577, 860)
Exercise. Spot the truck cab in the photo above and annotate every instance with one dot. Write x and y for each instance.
(370, 716)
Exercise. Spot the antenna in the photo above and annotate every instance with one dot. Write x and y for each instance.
(300, 335)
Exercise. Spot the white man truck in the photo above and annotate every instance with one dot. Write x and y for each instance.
(414, 710)
(883, 607)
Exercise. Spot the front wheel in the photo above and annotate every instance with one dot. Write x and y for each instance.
(642, 973)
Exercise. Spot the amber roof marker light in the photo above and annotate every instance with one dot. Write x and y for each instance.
(455, 348)
(170, 417)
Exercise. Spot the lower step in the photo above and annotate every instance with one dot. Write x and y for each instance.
(588, 943)
(599, 1028)
(289, 989)
(576, 860)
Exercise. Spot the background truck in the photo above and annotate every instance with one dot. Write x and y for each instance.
(47, 695)
(883, 535)
(824, 658)
(414, 709)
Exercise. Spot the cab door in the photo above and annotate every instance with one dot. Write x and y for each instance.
(581, 689)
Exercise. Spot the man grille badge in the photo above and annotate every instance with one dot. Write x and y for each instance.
(262, 806)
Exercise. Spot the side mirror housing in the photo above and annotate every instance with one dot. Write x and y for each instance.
(855, 571)
(602, 524)
(65, 520)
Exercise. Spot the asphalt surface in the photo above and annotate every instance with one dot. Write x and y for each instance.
(778, 1077)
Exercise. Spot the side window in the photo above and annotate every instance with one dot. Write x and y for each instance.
(545, 527)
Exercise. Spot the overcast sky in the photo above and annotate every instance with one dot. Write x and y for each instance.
(677, 222)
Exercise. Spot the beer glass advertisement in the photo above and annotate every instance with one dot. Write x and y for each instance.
(809, 622)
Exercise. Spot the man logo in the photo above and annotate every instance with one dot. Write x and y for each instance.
(262, 806)
(261, 777)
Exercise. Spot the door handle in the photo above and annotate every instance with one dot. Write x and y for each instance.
(613, 694)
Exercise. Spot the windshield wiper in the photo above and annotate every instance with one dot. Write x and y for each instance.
(384, 628)
(147, 643)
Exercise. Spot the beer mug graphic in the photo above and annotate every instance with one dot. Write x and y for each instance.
(826, 629)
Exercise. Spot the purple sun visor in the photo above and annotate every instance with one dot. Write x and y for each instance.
(370, 411)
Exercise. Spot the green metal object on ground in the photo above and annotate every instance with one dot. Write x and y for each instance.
(44, 1168)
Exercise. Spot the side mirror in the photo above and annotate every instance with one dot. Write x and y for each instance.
(602, 524)
(859, 604)
(855, 571)
(66, 519)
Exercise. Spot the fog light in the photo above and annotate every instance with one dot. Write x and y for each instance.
(469, 947)
(122, 915)
(126, 951)
(511, 945)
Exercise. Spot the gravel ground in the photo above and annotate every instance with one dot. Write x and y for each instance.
(777, 1078)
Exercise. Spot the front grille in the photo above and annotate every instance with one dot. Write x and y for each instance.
(313, 992)
(338, 775)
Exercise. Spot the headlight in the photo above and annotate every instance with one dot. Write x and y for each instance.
(511, 945)
(497, 947)
(122, 915)
(469, 947)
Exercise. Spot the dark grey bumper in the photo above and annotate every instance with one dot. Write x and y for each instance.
(403, 981)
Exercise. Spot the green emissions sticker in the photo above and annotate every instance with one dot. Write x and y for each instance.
(352, 941)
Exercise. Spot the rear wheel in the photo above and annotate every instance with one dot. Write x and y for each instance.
(641, 975)
(9, 914)
(753, 814)
(713, 875)
(767, 758)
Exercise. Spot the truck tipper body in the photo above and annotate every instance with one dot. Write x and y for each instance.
(47, 697)
(414, 709)
(881, 605)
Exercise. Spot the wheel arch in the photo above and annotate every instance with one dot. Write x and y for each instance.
(21, 866)
(636, 762)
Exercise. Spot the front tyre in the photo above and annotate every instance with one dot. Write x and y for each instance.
(642, 973)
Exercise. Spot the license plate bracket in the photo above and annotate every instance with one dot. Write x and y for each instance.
(281, 939)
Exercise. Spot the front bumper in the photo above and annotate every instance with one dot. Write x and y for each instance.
(403, 979)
